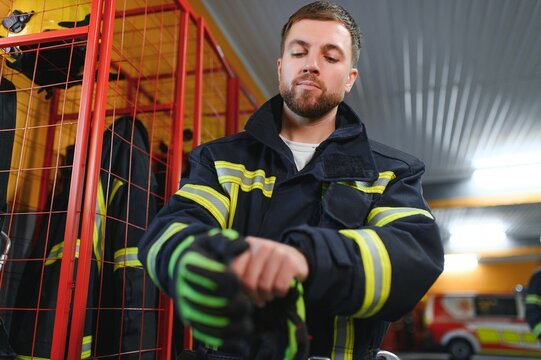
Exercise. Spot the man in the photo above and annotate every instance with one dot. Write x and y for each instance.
(312, 202)
(533, 303)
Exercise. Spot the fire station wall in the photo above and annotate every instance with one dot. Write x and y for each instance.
(486, 278)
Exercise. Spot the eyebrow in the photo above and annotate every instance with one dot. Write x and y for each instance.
(326, 47)
(298, 42)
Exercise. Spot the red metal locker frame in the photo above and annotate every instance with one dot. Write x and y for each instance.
(92, 177)
(70, 235)
(91, 32)
(232, 108)
(198, 96)
(165, 318)
(78, 288)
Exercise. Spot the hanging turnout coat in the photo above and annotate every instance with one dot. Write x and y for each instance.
(122, 302)
(356, 211)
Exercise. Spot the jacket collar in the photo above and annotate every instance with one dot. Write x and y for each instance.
(344, 155)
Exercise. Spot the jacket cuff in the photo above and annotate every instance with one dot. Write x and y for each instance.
(302, 241)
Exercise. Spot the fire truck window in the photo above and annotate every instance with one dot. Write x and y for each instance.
(495, 306)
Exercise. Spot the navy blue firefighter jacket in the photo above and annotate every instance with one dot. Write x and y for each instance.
(356, 211)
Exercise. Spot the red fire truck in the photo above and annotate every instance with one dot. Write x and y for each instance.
(468, 324)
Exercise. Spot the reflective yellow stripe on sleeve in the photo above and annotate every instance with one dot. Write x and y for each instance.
(537, 330)
(377, 187)
(533, 299)
(248, 180)
(171, 230)
(382, 216)
(216, 203)
(126, 257)
(57, 251)
(377, 270)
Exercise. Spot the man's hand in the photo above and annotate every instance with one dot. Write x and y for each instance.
(267, 269)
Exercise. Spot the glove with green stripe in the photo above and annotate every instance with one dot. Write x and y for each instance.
(281, 331)
(209, 297)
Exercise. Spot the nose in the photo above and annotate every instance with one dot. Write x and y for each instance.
(310, 66)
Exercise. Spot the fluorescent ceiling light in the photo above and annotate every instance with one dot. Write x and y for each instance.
(508, 161)
(509, 171)
(477, 235)
(460, 262)
(508, 177)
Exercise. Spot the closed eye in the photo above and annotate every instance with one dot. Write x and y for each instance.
(331, 59)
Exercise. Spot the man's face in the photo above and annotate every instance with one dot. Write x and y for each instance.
(315, 70)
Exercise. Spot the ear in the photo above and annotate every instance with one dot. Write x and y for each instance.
(352, 76)
(279, 67)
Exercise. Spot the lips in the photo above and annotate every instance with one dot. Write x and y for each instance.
(308, 81)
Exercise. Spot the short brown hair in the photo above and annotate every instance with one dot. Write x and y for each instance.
(327, 11)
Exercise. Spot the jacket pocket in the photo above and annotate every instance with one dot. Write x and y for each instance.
(344, 206)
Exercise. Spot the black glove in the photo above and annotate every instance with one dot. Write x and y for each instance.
(281, 332)
(209, 297)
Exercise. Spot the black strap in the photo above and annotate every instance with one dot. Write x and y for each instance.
(8, 114)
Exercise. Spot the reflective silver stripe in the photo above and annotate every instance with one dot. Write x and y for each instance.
(377, 186)
(216, 203)
(248, 180)
(377, 270)
(126, 257)
(382, 216)
(344, 338)
(171, 230)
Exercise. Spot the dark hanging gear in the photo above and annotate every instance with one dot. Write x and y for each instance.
(8, 112)
(128, 185)
(8, 115)
(40, 279)
(118, 285)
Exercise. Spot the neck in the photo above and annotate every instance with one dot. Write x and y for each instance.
(304, 130)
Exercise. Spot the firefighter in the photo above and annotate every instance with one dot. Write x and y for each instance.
(300, 236)
(533, 303)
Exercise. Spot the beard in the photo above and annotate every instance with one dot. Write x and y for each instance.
(305, 103)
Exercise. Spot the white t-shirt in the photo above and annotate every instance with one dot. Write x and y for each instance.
(302, 152)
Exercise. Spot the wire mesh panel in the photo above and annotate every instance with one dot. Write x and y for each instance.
(36, 80)
(89, 154)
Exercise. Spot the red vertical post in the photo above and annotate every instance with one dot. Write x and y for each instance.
(198, 88)
(165, 319)
(232, 106)
(91, 186)
(65, 282)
